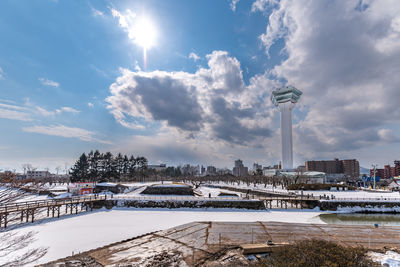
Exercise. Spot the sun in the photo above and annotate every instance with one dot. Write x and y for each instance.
(144, 33)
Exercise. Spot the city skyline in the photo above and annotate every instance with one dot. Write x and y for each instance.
(178, 82)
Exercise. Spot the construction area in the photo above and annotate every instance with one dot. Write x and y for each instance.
(226, 243)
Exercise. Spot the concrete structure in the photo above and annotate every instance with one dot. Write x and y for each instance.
(159, 167)
(38, 175)
(349, 168)
(285, 98)
(239, 169)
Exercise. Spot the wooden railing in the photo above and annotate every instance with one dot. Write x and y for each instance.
(18, 206)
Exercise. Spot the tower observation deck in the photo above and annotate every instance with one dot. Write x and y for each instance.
(285, 98)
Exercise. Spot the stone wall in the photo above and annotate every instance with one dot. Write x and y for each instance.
(175, 204)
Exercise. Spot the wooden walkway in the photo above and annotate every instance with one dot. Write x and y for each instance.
(28, 209)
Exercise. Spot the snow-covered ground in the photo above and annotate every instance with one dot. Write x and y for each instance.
(206, 191)
(77, 233)
(22, 196)
(338, 194)
(390, 258)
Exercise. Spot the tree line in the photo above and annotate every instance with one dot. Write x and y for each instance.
(105, 167)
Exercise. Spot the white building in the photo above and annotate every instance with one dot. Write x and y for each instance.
(305, 177)
(38, 175)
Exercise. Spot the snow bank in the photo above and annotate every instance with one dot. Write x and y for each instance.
(367, 208)
(390, 258)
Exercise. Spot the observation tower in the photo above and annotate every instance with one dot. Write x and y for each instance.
(285, 98)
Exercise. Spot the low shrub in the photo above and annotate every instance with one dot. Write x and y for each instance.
(317, 253)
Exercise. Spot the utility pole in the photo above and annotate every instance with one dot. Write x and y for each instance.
(374, 166)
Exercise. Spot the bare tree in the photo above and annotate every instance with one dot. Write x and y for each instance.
(196, 184)
(13, 241)
(58, 168)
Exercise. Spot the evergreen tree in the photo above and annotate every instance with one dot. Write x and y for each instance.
(119, 165)
(80, 171)
(98, 167)
(94, 165)
(109, 166)
(132, 167)
(125, 168)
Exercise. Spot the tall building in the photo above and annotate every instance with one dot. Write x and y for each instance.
(239, 169)
(349, 167)
(397, 168)
(388, 171)
(257, 166)
(211, 170)
(378, 173)
(285, 98)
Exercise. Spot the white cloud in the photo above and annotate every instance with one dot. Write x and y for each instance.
(1, 73)
(344, 56)
(13, 111)
(263, 5)
(15, 115)
(48, 82)
(233, 4)
(194, 56)
(96, 12)
(65, 131)
(126, 21)
(213, 102)
(9, 106)
(90, 105)
(45, 112)
(67, 109)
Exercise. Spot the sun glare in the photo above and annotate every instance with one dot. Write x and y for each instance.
(144, 33)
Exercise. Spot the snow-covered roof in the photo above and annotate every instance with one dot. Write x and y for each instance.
(314, 173)
(171, 185)
(310, 174)
(106, 184)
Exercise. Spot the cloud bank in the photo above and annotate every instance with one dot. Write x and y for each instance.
(213, 102)
(344, 56)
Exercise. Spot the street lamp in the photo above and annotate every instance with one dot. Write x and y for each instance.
(374, 167)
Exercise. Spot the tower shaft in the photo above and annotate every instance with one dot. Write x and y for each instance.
(285, 98)
(286, 134)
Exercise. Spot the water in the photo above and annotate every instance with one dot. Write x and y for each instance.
(361, 219)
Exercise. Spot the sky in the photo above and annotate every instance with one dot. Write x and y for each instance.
(190, 81)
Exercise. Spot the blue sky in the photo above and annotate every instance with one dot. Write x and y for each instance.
(73, 79)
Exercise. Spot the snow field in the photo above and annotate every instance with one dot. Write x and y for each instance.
(78, 233)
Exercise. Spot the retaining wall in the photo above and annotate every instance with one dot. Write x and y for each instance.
(175, 204)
